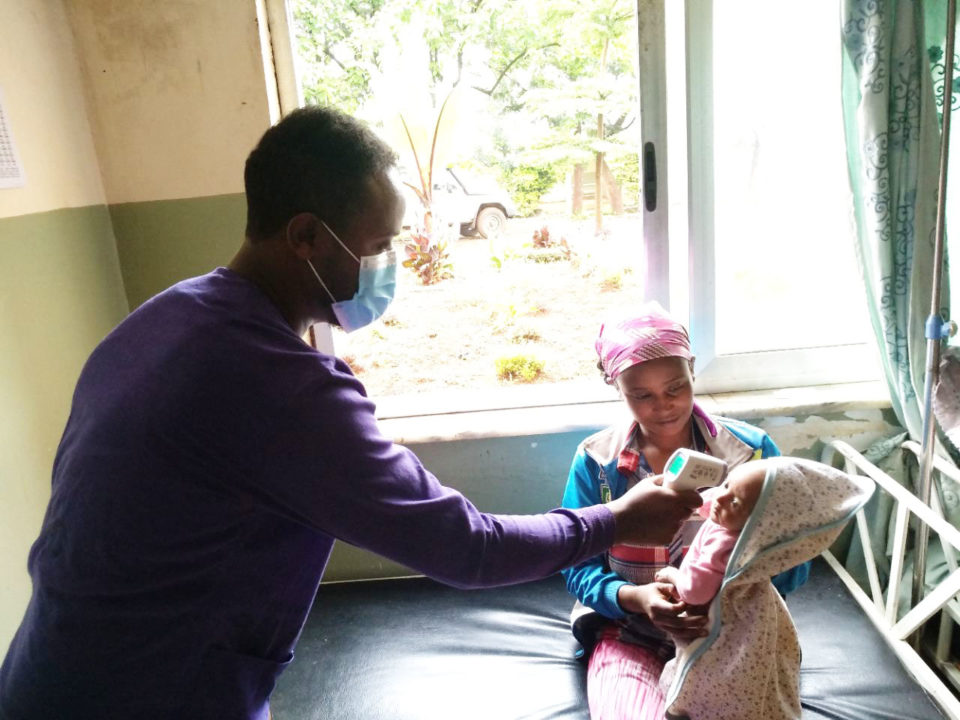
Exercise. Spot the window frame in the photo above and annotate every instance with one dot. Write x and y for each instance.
(717, 372)
(667, 262)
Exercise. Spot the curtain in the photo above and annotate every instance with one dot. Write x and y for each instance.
(893, 145)
(893, 89)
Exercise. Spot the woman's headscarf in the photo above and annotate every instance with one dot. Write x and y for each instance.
(651, 334)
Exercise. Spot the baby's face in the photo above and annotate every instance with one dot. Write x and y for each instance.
(738, 494)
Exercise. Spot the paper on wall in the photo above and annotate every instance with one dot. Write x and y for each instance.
(11, 171)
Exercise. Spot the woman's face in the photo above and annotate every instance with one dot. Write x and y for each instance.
(659, 393)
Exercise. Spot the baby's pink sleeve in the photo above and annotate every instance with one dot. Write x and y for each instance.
(705, 564)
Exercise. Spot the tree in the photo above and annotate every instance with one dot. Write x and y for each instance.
(550, 83)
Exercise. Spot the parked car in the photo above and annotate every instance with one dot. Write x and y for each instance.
(475, 203)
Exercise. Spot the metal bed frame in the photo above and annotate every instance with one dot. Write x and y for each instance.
(881, 604)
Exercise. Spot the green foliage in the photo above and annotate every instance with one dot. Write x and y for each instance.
(550, 65)
(527, 184)
(545, 255)
(428, 260)
(612, 281)
(340, 47)
(519, 368)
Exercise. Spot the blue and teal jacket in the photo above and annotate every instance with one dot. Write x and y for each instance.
(594, 478)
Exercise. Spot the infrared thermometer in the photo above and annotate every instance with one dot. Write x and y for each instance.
(692, 470)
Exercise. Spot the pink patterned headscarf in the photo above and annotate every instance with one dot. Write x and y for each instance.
(651, 334)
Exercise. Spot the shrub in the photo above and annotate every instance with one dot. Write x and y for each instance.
(527, 184)
(427, 259)
(519, 368)
(542, 238)
(613, 281)
(525, 335)
(354, 364)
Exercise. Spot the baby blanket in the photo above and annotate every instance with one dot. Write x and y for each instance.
(748, 666)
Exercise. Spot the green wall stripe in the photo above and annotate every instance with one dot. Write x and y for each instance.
(162, 242)
(60, 293)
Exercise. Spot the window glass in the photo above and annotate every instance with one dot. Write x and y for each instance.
(502, 112)
(786, 273)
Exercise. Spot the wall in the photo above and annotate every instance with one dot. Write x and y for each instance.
(526, 472)
(178, 99)
(60, 284)
(133, 121)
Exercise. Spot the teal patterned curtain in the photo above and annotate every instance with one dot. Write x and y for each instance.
(893, 94)
(893, 143)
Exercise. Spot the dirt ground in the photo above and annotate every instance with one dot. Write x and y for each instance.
(450, 335)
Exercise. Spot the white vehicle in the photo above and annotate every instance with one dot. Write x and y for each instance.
(474, 203)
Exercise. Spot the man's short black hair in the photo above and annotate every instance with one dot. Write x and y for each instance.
(317, 159)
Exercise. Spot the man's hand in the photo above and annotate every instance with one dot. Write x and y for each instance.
(654, 600)
(650, 514)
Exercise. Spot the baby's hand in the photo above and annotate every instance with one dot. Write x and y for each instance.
(667, 575)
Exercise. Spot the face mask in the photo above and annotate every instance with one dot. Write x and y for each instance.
(376, 285)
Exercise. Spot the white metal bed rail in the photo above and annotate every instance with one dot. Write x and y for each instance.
(882, 605)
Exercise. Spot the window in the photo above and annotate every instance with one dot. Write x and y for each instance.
(750, 238)
(775, 296)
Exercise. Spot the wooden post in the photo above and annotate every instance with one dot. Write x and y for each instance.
(598, 182)
(576, 197)
(614, 193)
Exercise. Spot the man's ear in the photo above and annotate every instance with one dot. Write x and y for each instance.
(303, 234)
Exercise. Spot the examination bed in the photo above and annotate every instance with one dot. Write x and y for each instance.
(416, 650)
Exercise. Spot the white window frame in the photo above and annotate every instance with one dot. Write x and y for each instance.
(715, 372)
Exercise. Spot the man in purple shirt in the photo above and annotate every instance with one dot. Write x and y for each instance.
(211, 458)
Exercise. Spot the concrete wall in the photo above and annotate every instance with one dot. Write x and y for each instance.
(526, 473)
(60, 284)
(133, 121)
(178, 97)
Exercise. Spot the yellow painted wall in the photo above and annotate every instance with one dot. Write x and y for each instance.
(133, 121)
(177, 93)
(45, 106)
(60, 284)
(179, 96)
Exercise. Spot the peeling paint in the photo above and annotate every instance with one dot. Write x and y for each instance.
(804, 437)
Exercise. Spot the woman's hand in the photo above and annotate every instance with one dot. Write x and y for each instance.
(655, 600)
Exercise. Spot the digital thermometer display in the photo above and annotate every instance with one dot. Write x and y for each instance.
(677, 463)
(691, 470)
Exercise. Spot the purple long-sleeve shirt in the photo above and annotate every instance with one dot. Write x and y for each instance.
(210, 460)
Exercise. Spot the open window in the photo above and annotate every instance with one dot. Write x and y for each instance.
(718, 165)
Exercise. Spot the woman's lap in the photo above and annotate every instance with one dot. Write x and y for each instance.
(623, 681)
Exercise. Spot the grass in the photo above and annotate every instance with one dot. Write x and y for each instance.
(519, 368)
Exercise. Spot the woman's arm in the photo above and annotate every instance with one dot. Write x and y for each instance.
(590, 581)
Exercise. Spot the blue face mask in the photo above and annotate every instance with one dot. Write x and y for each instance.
(376, 285)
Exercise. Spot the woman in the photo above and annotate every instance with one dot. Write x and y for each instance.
(622, 615)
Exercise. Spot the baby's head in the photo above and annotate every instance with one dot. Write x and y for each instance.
(737, 496)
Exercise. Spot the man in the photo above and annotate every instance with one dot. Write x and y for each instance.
(211, 457)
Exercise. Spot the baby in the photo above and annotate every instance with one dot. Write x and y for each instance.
(727, 509)
(767, 515)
